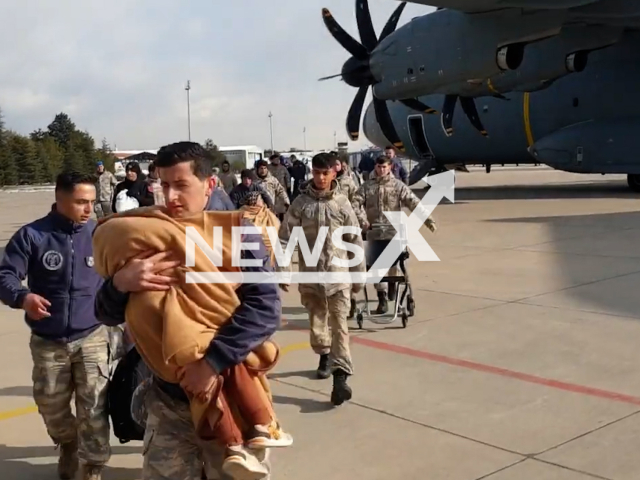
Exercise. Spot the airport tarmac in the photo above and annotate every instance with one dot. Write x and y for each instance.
(521, 362)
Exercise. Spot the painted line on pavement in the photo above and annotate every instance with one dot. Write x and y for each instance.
(19, 412)
(484, 368)
(502, 372)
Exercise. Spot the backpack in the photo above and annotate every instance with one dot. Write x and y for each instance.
(130, 373)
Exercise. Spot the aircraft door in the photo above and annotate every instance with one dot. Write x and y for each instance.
(418, 136)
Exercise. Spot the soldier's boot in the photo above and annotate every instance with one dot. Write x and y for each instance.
(68, 461)
(91, 472)
(352, 312)
(341, 391)
(323, 367)
(383, 305)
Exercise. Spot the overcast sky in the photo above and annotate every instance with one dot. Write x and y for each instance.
(119, 68)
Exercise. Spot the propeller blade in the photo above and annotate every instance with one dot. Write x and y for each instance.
(342, 37)
(469, 107)
(418, 106)
(329, 77)
(355, 112)
(392, 23)
(446, 120)
(386, 123)
(368, 35)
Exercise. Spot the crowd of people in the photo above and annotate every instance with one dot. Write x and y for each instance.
(77, 317)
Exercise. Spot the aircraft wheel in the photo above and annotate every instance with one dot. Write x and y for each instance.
(634, 182)
(405, 320)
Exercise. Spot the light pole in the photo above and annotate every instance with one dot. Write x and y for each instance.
(335, 141)
(271, 130)
(187, 88)
(304, 135)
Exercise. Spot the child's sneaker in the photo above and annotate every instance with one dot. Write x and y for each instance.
(240, 464)
(268, 436)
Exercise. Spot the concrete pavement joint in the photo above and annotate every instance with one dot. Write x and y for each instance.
(398, 417)
(593, 475)
(613, 422)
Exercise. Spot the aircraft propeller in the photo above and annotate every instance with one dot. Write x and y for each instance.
(468, 107)
(356, 71)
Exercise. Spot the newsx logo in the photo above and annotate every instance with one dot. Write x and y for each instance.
(407, 236)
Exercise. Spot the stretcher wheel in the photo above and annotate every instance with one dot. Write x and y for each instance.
(405, 320)
(359, 320)
(411, 306)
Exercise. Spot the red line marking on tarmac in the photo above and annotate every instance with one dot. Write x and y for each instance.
(503, 372)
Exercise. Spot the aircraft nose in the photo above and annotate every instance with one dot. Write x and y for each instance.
(371, 128)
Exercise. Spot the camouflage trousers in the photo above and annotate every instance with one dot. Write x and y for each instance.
(61, 370)
(329, 328)
(172, 450)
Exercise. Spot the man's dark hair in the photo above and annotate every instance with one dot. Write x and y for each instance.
(152, 167)
(175, 153)
(382, 159)
(261, 163)
(247, 173)
(67, 181)
(389, 147)
(323, 161)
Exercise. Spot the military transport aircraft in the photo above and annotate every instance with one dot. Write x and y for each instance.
(538, 81)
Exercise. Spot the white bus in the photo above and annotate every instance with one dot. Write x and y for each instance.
(247, 155)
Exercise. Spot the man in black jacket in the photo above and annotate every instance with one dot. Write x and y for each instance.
(172, 450)
(247, 186)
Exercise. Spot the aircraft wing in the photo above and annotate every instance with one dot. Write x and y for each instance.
(621, 13)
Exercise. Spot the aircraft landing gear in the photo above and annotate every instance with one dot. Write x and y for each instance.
(633, 180)
(487, 167)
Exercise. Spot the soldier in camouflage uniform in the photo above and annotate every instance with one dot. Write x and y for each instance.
(281, 173)
(384, 193)
(69, 347)
(105, 186)
(321, 204)
(273, 187)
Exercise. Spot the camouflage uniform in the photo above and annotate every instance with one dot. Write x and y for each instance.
(347, 185)
(105, 187)
(81, 367)
(378, 195)
(171, 448)
(277, 192)
(327, 304)
(281, 173)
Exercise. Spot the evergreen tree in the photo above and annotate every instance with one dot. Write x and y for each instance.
(61, 129)
(25, 156)
(218, 156)
(8, 171)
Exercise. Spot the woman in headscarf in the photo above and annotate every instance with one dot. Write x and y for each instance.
(136, 186)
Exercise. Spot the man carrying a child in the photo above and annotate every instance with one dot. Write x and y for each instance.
(172, 448)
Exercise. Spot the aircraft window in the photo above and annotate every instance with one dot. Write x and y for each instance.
(422, 69)
(576, 101)
(485, 108)
(410, 71)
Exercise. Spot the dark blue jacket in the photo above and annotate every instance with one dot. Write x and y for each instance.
(56, 256)
(254, 321)
(219, 200)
